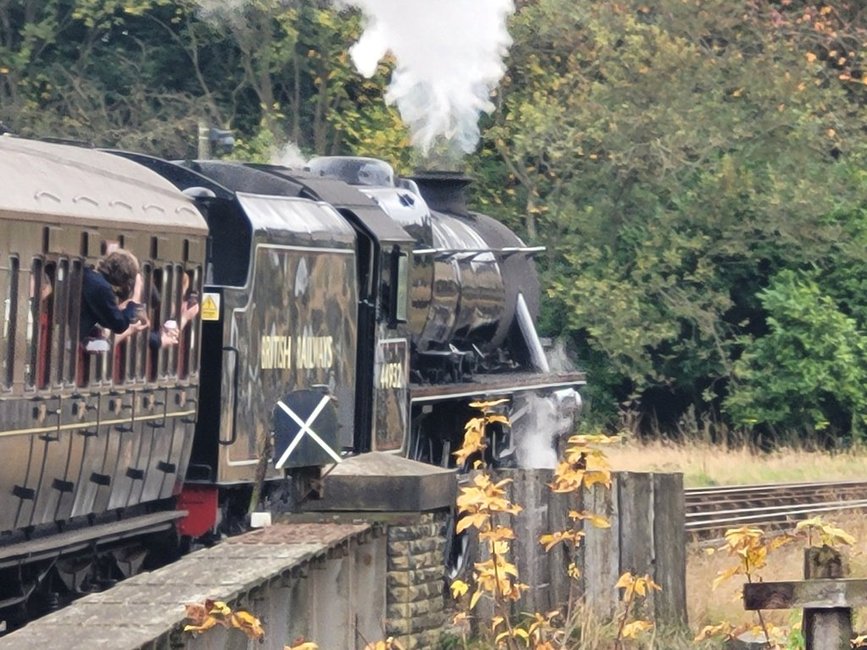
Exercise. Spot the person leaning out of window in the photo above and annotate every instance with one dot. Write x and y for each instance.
(111, 298)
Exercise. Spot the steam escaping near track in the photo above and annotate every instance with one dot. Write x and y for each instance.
(449, 58)
(538, 423)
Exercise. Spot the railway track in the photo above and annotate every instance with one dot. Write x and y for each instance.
(712, 510)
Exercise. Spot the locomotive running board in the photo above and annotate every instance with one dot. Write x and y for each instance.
(496, 385)
(74, 540)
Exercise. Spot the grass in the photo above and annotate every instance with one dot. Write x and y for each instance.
(703, 464)
(708, 607)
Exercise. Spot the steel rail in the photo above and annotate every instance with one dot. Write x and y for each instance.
(712, 510)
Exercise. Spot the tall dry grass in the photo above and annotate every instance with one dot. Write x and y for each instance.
(707, 606)
(704, 464)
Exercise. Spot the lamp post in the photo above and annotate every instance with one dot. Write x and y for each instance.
(211, 139)
(204, 149)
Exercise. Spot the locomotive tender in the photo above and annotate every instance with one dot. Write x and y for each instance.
(342, 311)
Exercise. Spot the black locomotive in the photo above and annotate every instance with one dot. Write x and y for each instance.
(341, 311)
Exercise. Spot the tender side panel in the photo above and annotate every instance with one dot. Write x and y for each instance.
(297, 332)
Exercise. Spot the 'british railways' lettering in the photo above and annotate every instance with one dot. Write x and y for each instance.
(287, 352)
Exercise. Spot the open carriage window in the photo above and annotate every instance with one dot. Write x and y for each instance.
(191, 283)
(9, 296)
(69, 280)
(137, 348)
(39, 324)
(161, 359)
(58, 350)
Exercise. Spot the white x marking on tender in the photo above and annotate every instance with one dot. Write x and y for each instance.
(305, 428)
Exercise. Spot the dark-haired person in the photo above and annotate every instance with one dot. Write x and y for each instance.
(111, 296)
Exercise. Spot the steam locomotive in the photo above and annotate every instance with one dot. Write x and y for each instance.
(341, 311)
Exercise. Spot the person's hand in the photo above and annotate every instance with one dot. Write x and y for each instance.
(189, 314)
(139, 325)
(133, 328)
(168, 336)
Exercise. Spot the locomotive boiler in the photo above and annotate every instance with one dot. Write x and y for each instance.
(342, 310)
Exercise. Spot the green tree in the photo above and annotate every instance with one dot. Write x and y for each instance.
(806, 374)
(673, 157)
(141, 74)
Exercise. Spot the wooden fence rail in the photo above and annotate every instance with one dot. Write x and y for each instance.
(825, 595)
(646, 536)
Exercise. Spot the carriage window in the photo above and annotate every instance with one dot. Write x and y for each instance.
(174, 299)
(9, 295)
(162, 360)
(69, 287)
(58, 352)
(39, 318)
(138, 352)
(47, 339)
(189, 310)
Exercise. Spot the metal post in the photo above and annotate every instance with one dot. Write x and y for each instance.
(204, 152)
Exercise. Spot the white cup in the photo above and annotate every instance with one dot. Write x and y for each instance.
(170, 325)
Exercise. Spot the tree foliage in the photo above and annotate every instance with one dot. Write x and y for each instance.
(808, 369)
(141, 74)
(695, 169)
(675, 157)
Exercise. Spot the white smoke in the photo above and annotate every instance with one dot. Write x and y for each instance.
(539, 422)
(449, 58)
(288, 155)
(220, 9)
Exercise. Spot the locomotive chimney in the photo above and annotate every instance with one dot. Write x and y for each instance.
(443, 190)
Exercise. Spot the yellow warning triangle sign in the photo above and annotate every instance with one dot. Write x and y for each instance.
(210, 308)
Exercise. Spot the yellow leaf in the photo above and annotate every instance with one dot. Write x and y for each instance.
(459, 588)
(248, 624)
(218, 608)
(467, 521)
(207, 624)
(487, 405)
(709, 631)
(633, 629)
(475, 598)
(724, 575)
(598, 521)
(839, 536)
(592, 477)
(497, 534)
(625, 581)
(551, 540)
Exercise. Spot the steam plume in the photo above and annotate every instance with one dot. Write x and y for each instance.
(449, 57)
